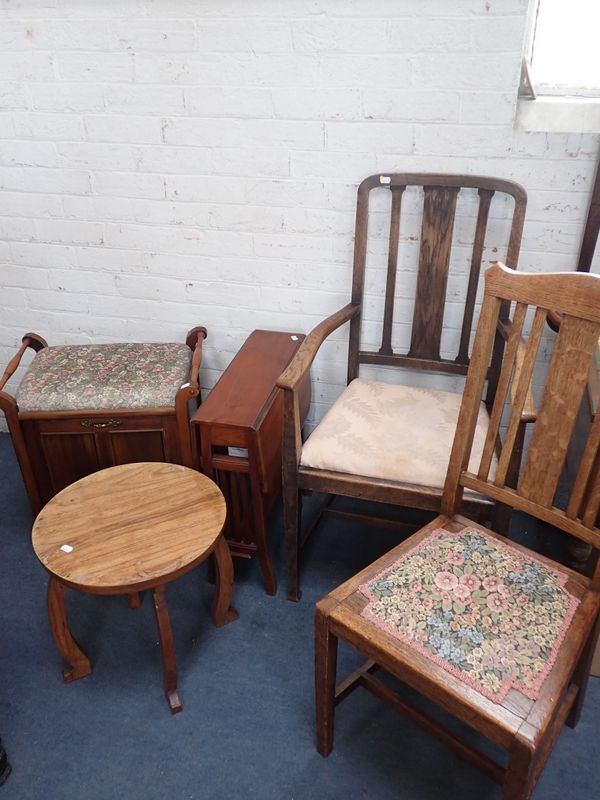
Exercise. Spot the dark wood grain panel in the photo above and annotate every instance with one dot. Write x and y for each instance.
(434, 259)
(69, 457)
(142, 445)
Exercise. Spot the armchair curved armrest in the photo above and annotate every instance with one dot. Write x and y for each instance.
(290, 381)
(301, 362)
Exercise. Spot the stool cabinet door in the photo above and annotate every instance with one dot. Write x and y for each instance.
(64, 449)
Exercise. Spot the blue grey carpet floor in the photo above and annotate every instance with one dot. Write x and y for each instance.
(246, 730)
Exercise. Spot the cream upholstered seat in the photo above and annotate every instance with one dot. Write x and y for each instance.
(365, 432)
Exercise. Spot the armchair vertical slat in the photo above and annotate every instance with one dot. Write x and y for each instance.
(485, 199)
(358, 275)
(390, 285)
(512, 257)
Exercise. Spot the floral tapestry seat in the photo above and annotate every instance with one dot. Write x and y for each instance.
(111, 376)
(484, 610)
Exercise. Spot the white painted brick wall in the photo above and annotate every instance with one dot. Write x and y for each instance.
(167, 163)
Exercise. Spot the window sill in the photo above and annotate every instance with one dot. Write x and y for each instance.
(559, 114)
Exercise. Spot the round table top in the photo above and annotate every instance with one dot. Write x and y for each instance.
(129, 527)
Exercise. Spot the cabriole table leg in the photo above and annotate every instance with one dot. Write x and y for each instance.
(79, 663)
(222, 611)
(165, 635)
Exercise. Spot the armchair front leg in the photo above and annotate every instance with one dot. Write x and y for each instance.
(291, 381)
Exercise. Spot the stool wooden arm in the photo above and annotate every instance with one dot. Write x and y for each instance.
(194, 340)
(8, 405)
(29, 340)
(188, 391)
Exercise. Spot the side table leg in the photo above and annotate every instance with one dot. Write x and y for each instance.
(260, 533)
(266, 563)
(134, 599)
(260, 526)
(222, 612)
(79, 663)
(165, 634)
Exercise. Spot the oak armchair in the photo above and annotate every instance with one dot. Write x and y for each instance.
(414, 296)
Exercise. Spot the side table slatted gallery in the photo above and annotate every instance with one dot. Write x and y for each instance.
(239, 429)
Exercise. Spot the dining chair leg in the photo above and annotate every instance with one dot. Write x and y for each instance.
(222, 610)
(326, 646)
(518, 782)
(79, 663)
(582, 674)
(5, 768)
(292, 513)
(165, 635)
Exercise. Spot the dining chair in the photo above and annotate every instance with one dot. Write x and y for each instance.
(497, 635)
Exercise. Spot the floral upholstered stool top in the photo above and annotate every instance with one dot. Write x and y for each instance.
(122, 375)
(82, 408)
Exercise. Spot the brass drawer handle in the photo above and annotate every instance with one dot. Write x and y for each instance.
(112, 423)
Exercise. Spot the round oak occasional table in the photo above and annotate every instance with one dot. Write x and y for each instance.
(126, 529)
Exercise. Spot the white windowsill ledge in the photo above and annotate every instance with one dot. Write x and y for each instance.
(559, 114)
